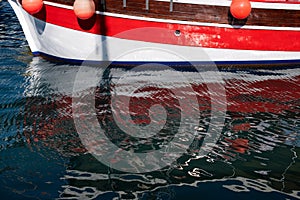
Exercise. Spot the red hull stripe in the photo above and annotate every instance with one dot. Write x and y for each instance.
(191, 35)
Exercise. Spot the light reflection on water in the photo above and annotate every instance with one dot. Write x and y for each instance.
(257, 151)
(41, 155)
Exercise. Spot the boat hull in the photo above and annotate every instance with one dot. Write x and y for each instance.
(56, 32)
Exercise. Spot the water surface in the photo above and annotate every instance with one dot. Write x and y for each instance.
(42, 155)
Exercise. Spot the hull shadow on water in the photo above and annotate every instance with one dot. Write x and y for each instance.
(256, 153)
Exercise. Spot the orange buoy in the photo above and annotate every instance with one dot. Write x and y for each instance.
(32, 6)
(240, 9)
(84, 9)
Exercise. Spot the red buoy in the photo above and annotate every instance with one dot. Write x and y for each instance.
(84, 9)
(32, 6)
(240, 9)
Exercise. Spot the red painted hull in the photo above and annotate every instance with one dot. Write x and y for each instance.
(191, 35)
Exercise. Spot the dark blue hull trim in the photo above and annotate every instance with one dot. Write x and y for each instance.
(220, 64)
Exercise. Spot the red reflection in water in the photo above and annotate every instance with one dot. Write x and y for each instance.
(243, 97)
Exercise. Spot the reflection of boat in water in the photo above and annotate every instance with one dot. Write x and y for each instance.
(198, 31)
(259, 140)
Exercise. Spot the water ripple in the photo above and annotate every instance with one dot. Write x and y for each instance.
(42, 157)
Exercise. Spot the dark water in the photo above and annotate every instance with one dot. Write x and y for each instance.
(42, 155)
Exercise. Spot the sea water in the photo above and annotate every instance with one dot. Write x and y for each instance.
(45, 119)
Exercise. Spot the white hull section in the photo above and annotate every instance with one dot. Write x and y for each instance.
(66, 43)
